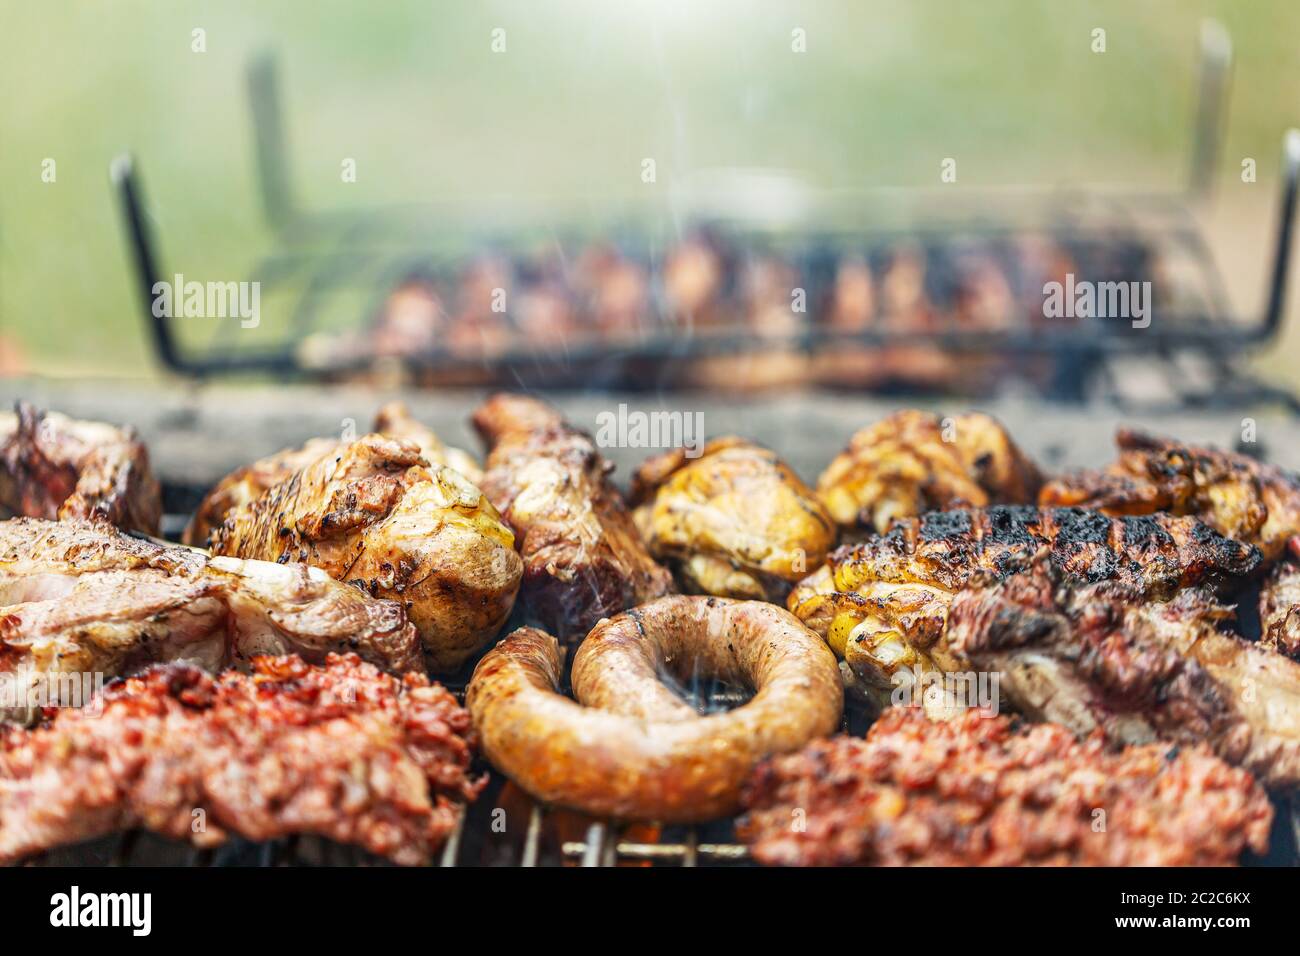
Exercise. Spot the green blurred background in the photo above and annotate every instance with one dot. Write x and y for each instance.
(413, 92)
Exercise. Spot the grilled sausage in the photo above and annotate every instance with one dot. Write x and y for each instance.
(634, 750)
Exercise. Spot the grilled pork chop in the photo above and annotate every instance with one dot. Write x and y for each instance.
(1102, 657)
(80, 598)
(583, 557)
(883, 604)
(1232, 493)
(52, 466)
(341, 750)
(377, 514)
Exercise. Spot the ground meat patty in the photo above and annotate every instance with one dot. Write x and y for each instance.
(344, 751)
(984, 791)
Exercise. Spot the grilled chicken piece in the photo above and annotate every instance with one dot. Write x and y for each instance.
(340, 750)
(981, 791)
(735, 521)
(1279, 607)
(80, 598)
(1102, 658)
(395, 421)
(882, 604)
(377, 514)
(52, 466)
(583, 557)
(245, 485)
(913, 462)
(1232, 493)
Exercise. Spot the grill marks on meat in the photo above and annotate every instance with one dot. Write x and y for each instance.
(340, 750)
(1153, 554)
(79, 597)
(883, 604)
(377, 514)
(52, 466)
(1103, 658)
(583, 557)
(913, 462)
(1236, 495)
(979, 791)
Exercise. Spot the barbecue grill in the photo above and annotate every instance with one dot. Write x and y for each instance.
(1107, 236)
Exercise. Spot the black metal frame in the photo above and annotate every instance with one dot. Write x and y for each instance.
(356, 240)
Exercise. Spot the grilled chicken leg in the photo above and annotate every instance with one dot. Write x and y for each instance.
(377, 514)
(583, 556)
(245, 485)
(735, 522)
(913, 462)
(52, 466)
(79, 598)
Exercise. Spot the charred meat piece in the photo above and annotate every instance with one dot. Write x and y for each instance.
(80, 598)
(583, 556)
(1154, 554)
(981, 791)
(340, 750)
(249, 483)
(377, 514)
(883, 604)
(52, 466)
(735, 521)
(1232, 493)
(1279, 609)
(914, 462)
(1102, 658)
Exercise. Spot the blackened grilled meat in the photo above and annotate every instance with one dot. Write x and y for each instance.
(1233, 493)
(1101, 657)
(1153, 554)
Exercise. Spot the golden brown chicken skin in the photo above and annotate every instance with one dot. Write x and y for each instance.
(246, 484)
(53, 466)
(583, 556)
(377, 514)
(1236, 495)
(736, 521)
(913, 462)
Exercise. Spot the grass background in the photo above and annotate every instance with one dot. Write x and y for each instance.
(413, 92)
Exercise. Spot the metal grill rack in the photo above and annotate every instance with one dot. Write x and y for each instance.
(323, 257)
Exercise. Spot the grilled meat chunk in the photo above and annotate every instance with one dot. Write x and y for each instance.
(913, 462)
(52, 466)
(377, 514)
(583, 556)
(735, 521)
(340, 750)
(1232, 493)
(80, 598)
(245, 485)
(883, 604)
(1279, 609)
(980, 791)
(1102, 658)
